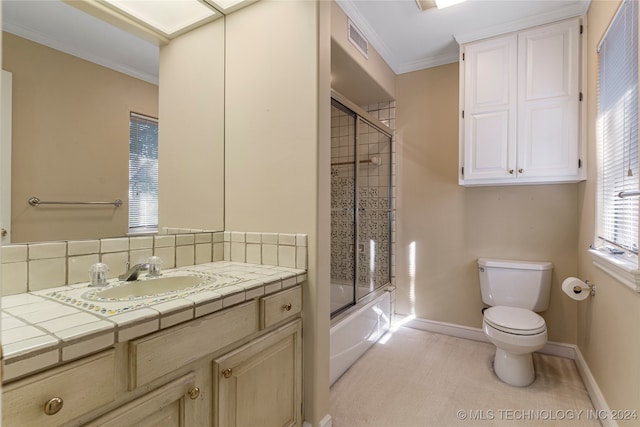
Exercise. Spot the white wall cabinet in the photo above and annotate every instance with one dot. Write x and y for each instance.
(521, 119)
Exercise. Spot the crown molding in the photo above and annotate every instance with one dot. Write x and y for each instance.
(37, 37)
(579, 8)
(571, 11)
(408, 67)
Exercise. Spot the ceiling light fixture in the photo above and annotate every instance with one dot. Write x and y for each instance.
(440, 4)
(167, 17)
(446, 3)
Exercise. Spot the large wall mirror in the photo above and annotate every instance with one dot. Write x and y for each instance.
(74, 82)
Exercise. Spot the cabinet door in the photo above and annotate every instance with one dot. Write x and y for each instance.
(259, 384)
(490, 80)
(170, 405)
(548, 106)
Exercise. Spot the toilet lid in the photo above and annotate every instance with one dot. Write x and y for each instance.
(513, 320)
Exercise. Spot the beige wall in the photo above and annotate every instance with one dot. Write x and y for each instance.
(609, 324)
(70, 141)
(276, 136)
(450, 226)
(191, 130)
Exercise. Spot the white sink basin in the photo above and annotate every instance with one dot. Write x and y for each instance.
(151, 287)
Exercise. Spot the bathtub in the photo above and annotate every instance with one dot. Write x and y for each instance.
(357, 329)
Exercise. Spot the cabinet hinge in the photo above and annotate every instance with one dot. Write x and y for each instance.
(581, 28)
(580, 97)
(579, 163)
(462, 171)
(463, 114)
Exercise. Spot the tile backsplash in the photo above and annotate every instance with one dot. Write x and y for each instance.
(36, 266)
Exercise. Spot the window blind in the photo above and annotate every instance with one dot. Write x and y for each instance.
(143, 172)
(617, 128)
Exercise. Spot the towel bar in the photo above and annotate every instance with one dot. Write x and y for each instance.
(34, 201)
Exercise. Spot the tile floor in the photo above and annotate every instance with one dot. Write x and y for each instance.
(419, 378)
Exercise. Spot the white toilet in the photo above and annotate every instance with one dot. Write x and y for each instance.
(515, 290)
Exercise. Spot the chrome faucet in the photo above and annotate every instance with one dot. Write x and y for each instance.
(133, 272)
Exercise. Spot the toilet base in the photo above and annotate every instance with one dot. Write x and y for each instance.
(514, 369)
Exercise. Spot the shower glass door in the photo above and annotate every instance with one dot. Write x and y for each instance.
(343, 178)
(373, 215)
(360, 207)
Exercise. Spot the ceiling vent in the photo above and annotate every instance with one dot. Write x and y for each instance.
(358, 39)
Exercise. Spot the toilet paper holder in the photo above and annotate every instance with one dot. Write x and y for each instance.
(590, 287)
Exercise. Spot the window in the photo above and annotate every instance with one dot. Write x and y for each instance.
(143, 173)
(616, 250)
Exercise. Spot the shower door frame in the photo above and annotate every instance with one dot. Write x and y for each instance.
(362, 115)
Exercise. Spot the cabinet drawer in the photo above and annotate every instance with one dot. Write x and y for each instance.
(280, 306)
(161, 353)
(82, 386)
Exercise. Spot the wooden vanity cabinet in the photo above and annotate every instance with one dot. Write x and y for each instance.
(228, 368)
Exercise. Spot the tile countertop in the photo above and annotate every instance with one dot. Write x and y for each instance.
(43, 328)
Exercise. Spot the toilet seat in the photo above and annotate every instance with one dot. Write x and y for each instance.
(514, 320)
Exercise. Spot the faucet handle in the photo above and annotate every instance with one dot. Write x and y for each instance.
(155, 266)
(98, 274)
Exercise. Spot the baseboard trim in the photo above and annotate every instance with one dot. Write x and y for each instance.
(324, 422)
(569, 351)
(597, 398)
(451, 329)
(476, 334)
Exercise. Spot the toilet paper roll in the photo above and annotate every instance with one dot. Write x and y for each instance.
(575, 288)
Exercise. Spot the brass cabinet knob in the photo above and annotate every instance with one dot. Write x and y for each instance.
(520, 170)
(53, 406)
(3, 232)
(286, 307)
(511, 171)
(194, 393)
(227, 373)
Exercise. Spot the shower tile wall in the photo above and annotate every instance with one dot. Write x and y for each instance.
(384, 111)
(373, 195)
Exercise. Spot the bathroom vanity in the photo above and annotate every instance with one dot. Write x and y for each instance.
(225, 355)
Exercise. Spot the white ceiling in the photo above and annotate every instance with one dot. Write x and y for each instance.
(409, 39)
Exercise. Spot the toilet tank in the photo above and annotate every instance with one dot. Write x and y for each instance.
(513, 283)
